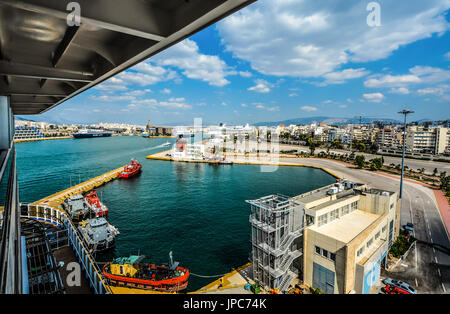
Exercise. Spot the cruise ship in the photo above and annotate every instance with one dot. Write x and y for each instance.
(86, 133)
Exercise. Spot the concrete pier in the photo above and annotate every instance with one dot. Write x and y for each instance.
(56, 199)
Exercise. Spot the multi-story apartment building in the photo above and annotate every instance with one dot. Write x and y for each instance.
(427, 140)
(339, 247)
(390, 138)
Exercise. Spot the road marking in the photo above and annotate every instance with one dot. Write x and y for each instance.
(416, 282)
(435, 258)
(439, 271)
(443, 288)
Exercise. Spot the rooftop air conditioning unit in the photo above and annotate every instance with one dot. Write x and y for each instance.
(332, 190)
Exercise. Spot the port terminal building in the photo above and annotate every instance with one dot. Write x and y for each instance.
(335, 238)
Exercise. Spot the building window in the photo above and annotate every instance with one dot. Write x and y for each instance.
(309, 220)
(377, 235)
(354, 206)
(369, 243)
(334, 214)
(323, 219)
(384, 229)
(324, 253)
(345, 210)
(360, 251)
(317, 250)
(333, 256)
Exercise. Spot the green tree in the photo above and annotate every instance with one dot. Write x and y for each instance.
(312, 145)
(374, 148)
(435, 171)
(376, 164)
(360, 161)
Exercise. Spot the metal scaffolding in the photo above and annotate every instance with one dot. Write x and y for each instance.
(277, 223)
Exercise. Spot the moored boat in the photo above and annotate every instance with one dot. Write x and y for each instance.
(76, 207)
(130, 170)
(93, 203)
(133, 273)
(88, 133)
(166, 144)
(98, 234)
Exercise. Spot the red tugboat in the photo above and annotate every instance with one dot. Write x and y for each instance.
(93, 202)
(131, 272)
(130, 170)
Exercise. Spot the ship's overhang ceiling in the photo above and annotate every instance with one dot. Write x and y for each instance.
(44, 61)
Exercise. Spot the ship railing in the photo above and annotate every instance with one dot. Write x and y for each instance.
(61, 220)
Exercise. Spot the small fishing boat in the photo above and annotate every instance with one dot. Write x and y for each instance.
(133, 273)
(130, 170)
(166, 144)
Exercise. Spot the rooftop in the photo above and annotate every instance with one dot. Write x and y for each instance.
(346, 228)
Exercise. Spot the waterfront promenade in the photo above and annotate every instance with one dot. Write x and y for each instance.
(42, 139)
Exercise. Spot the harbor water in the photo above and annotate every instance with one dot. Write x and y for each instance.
(195, 210)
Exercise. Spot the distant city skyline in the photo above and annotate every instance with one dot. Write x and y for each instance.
(280, 60)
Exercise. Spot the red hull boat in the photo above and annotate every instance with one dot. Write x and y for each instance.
(93, 202)
(130, 170)
(131, 272)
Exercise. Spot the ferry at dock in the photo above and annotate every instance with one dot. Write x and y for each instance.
(88, 133)
(132, 272)
(130, 170)
(95, 205)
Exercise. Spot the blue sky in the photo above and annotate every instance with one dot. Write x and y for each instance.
(277, 60)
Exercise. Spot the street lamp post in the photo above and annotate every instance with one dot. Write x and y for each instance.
(405, 113)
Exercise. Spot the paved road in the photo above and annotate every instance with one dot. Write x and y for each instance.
(419, 206)
(414, 164)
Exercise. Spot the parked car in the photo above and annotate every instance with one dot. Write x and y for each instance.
(394, 290)
(400, 284)
(409, 226)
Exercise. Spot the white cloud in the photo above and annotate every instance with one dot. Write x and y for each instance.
(447, 55)
(390, 80)
(293, 95)
(178, 103)
(374, 97)
(342, 106)
(400, 91)
(313, 38)
(309, 108)
(186, 56)
(261, 86)
(341, 77)
(245, 74)
(417, 75)
(166, 91)
(244, 105)
(259, 106)
(179, 99)
(440, 90)
(112, 98)
(276, 108)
